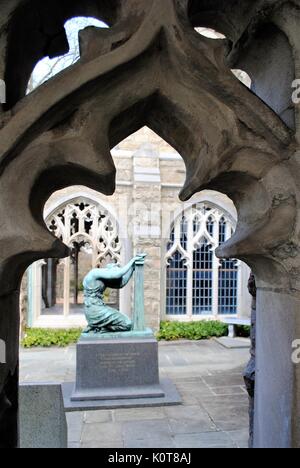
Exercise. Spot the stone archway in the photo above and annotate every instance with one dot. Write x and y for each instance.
(151, 68)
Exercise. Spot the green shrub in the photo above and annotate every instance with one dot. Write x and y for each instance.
(202, 330)
(45, 338)
(169, 331)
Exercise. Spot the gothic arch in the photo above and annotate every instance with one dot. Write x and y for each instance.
(48, 67)
(235, 274)
(83, 219)
(229, 138)
(42, 24)
(91, 197)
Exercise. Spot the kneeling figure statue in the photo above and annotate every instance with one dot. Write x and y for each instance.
(100, 317)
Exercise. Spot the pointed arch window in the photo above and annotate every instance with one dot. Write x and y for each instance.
(198, 283)
(82, 221)
(93, 238)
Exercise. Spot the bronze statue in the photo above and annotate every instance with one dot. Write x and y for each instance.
(100, 317)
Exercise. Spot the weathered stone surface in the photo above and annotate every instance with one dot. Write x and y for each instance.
(43, 421)
(276, 392)
(250, 371)
(170, 397)
(112, 374)
(151, 68)
(115, 369)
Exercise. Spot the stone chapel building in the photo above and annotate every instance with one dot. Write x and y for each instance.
(184, 280)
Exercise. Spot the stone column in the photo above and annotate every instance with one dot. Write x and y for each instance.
(34, 292)
(147, 226)
(139, 298)
(67, 267)
(249, 374)
(9, 373)
(23, 305)
(277, 392)
(52, 281)
(76, 251)
(215, 278)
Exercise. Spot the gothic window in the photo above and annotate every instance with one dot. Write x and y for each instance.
(84, 223)
(197, 283)
(93, 238)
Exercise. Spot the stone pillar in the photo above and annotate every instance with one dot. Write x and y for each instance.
(249, 374)
(147, 226)
(23, 305)
(45, 285)
(34, 292)
(139, 298)
(9, 373)
(52, 265)
(76, 250)
(67, 268)
(277, 388)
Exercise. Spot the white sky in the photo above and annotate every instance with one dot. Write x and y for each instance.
(47, 68)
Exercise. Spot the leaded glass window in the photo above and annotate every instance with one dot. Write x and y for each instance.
(202, 279)
(197, 283)
(228, 278)
(176, 285)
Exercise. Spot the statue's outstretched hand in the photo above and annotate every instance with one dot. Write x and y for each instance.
(140, 257)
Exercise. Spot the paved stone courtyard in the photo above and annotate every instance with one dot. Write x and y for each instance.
(208, 376)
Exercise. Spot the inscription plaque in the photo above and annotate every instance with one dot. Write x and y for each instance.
(117, 369)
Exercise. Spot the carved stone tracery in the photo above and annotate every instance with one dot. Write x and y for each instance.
(151, 68)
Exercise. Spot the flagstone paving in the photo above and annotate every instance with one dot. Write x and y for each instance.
(208, 376)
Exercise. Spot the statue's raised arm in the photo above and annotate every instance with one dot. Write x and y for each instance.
(114, 271)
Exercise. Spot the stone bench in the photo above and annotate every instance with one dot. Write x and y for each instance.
(234, 323)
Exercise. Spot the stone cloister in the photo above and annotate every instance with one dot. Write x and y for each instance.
(182, 275)
(151, 68)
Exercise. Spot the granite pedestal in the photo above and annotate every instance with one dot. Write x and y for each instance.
(122, 371)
